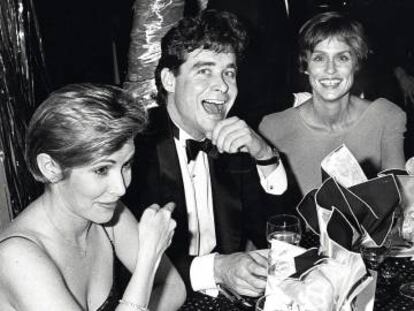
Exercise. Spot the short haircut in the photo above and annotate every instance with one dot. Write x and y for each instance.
(210, 30)
(332, 25)
(80, 123)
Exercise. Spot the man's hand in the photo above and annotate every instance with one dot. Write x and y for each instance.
(233, 135)
(245, 273)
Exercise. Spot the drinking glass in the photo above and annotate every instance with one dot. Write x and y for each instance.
(373, 256)
(285, 228)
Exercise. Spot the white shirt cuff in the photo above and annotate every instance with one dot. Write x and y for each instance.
(202, 275)
(276, 182)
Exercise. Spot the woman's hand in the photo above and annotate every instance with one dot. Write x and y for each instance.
(156, 229)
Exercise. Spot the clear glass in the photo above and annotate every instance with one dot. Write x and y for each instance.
(373, 256)
(284, 228)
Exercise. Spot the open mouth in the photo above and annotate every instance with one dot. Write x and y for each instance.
(214, 106)
(330, 82)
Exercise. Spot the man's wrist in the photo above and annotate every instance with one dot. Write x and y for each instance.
(217, 269)
(269, 159)
(202, 273)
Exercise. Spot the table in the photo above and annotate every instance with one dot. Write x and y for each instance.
(200, 302)
(387, 296)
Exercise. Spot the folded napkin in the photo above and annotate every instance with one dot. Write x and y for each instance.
(346, 211)
(352, 209)
(313, 281)
(295, 279)
(363, 213)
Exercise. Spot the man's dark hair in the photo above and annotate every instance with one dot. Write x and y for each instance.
(210, 30)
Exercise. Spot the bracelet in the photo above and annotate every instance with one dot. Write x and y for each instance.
(134, 306)
(275, 159)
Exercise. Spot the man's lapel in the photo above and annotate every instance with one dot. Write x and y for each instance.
(171, 181)
(227, 205)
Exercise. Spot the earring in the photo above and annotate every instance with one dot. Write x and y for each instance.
(54, 179)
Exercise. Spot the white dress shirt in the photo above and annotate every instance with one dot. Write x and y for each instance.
(199, 201)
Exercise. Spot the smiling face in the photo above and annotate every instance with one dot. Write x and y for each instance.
(92, 191)
(203, 91)
(331, 69)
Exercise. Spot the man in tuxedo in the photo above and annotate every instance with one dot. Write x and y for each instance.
(215, 168)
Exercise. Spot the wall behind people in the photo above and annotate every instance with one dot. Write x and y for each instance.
(82, 39)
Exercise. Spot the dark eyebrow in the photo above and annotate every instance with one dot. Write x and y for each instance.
(202, 64)
(210, 64)
(320, 51)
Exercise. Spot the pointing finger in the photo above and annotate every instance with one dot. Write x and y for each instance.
(169, 207)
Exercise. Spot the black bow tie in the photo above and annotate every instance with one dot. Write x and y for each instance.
(193, 147)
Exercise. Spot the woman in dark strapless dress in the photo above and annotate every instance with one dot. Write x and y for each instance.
(63, 252)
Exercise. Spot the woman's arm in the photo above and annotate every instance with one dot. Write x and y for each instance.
(392, 150)
(167, 285)
(140, 248)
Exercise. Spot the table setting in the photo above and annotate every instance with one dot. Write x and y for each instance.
(364, 259)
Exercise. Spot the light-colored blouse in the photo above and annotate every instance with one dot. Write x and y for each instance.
(381, 123)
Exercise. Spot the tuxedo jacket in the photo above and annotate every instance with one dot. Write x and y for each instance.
(239, 202)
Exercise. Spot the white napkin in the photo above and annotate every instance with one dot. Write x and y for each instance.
(342, 165)
(330, 285)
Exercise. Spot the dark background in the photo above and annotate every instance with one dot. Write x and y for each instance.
(87, 41)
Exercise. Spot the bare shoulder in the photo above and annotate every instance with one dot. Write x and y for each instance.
(30, 278)
(20, 253)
